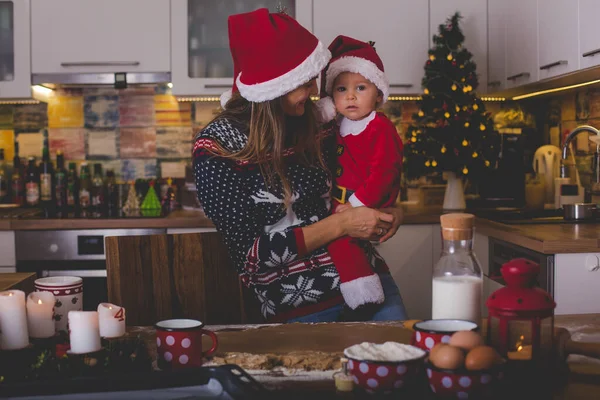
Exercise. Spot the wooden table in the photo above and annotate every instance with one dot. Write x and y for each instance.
(19, 280)
(583, 379)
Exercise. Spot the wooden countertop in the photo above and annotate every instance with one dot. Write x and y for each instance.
(18, 280)
(545, 238)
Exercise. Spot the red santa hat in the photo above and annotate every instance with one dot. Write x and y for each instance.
(272, 55)
(351, 55)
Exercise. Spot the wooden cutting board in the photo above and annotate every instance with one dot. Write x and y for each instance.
(325, 337)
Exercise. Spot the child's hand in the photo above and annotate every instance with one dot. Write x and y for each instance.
(342, 207)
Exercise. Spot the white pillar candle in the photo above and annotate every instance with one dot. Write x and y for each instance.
(84, 332)
(13, 320)
(112, 320)
(40, 314)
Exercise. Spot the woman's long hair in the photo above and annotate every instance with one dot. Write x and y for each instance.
(270, 132)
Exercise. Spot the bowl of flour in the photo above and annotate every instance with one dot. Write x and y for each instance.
(384, 367)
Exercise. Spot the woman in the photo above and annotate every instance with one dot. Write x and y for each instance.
(261, 170)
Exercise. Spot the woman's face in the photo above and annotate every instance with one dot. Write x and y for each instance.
(293, 102)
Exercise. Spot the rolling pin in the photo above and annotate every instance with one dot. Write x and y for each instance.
(565, 346)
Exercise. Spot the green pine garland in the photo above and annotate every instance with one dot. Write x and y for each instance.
(452, 130)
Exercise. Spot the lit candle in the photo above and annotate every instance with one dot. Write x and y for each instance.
(112, 320)
(13, 320)
(40, 314)
(84, 333)
(522, 353)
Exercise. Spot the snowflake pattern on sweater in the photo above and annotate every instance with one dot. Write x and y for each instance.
(265, 238)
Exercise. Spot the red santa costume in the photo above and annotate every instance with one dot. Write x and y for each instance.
(369, 165)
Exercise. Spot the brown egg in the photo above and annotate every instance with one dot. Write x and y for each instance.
(466, 340)
(435, 348)
(481, 358)
(447, 357)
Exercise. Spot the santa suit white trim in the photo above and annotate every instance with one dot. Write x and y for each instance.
(361, 66)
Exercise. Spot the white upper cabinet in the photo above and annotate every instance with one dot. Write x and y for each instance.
(200, 58)
(521, 42)
(473, 26)
(558, 37)
(589, 39)
(15, 71)
(398, 28)
(75, 36)
(496, 46)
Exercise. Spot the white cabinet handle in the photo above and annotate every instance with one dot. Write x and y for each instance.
(214, 86)
(519, 75)
(401, 85)
(554, 64)
(100, 64)
(494, 83)
(591, 53)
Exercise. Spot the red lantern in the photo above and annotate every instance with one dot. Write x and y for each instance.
(520, 322)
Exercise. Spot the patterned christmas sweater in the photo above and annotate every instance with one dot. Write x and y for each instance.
(264, 238)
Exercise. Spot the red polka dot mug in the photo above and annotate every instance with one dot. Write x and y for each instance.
(433, 331)
(179, 343)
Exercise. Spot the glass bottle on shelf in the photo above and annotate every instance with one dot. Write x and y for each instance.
(46, 177)
(60, 182)
(97, 192)
(85, 187)
(112, 193)
(457, 277)
(3, 180)
(17, 184)
(72, 187)
(32, 184)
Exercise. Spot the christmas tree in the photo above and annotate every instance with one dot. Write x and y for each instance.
(452, 132)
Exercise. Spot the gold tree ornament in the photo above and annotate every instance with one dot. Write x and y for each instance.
(434, 163)
(475, 155)
(453, 87)
(467, 124)
(449, 58)
(465, 171)
(487, 163)
(457, 108)
(475, 107)
(443, 149)
(447, 114)
(427, 163)
(465, 142)
(482, 127)
(426, 91)
(420, 113)
(432, 57)
(413, 139)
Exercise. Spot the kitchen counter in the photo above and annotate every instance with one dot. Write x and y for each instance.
(19, 280)
(545, 238)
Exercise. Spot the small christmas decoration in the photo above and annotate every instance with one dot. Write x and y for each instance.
(132, 202)
(151, 201)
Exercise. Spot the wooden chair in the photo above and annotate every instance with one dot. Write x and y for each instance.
(159, 277)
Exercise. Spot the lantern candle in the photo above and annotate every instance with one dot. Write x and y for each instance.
(112, 320)
(522, 353)
(13, 320)
(84, 332)
(40, 318)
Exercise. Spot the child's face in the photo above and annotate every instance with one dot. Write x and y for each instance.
(293, 102)
(355, 97)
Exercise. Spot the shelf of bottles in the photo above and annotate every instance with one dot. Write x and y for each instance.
(208, 40)
(7, 47)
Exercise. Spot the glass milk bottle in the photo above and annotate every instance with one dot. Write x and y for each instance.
(457, 277)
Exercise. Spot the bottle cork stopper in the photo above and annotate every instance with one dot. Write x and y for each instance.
(457, 226)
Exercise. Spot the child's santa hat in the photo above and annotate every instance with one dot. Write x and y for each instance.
(351, 55)
(272, 55)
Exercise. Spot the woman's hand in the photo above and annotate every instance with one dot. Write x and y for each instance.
(366, 223)
(398, 214)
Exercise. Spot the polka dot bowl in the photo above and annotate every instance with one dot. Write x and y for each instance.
(385, 376)
(431, 332)
(463, 384)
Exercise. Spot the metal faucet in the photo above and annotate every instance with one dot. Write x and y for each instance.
(570, 137)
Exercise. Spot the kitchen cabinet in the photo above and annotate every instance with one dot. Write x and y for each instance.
(8, 260)
(496, 80)
(200, 58)
(402, 39)
(15, 70)
(521, 42)
(410, 256)
(576, 283)
(473, 25)
(558, 50)
(74, 36)
(589, 40)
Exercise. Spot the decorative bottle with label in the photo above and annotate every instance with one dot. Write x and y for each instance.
(32, 184)
(85, 186)
(17, 182)
(60, 182)
(72, 187)
(46, 178)
(457, 276)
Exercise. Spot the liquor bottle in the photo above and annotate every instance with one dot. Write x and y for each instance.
(46, 178)
(32, 184)
(97, 191)
(72, 187)
(17, 181)
(60, 182)
(112, 192)
(457, 277)
(85, 187)
(3, 180)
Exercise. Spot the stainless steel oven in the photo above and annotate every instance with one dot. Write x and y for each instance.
(73, 253)
(501, 252)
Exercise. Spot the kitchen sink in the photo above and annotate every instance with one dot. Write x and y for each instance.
(524, 217)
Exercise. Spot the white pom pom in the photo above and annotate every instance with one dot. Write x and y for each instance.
(225, 97)
(326, 109)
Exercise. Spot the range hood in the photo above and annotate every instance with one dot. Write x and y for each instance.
(117, 80)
